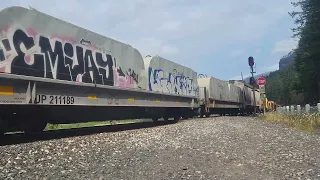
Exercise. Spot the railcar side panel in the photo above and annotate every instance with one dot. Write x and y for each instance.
(219, 90)
(35, 44)
(235, 93)
(170, 78)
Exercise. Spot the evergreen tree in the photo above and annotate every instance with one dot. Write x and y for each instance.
(280, 86)
(307, 59)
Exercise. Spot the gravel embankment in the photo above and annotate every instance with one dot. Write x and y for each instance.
(210, 148)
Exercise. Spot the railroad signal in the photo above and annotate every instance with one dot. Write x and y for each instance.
(251, 61)
(252, 80)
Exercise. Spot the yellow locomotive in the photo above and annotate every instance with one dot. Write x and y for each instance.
(267, 105)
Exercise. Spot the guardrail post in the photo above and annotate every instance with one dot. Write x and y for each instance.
(307, 108)
(318, 107)
(292, 109)
(298, 109)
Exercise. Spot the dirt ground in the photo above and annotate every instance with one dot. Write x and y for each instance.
(207, 148)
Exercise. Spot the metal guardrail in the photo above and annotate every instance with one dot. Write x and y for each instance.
(297, 109)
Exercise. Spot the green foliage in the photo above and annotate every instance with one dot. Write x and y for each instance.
(92, 124)
(307, 59)
(280, 86)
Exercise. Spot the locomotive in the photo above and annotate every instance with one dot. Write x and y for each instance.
(52, 71)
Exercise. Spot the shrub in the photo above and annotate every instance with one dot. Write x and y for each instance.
(306, 122)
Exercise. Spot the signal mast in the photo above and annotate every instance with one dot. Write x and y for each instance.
(252, 82)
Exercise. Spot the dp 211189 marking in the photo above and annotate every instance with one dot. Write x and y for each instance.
(54, 99)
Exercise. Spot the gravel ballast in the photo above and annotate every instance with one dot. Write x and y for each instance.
(208, 148)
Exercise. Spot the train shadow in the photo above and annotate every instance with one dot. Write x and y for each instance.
(20, 138)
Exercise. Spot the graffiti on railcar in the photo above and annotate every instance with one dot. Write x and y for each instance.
(125, 79)
(172, 82)
(26, 52)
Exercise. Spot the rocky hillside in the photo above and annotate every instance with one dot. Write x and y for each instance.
(286, 60)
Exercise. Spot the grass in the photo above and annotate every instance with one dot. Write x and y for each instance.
(305, 122)
(90, 124)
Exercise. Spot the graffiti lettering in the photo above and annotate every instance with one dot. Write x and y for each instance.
(85, 42)
(174, 83)
(25, 52)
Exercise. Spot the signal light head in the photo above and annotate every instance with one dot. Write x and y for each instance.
(251, 61)
(252, 80)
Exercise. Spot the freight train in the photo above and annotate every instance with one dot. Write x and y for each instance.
(55, 72)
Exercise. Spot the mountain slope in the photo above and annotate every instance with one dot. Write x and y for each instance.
(247, 79)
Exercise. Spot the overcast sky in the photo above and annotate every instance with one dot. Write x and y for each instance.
(213, 37)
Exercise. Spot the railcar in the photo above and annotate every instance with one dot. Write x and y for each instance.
(248, 97)
(167, 77)
(219, 97)
(54, 71)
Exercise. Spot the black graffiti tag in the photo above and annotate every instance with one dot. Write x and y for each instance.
(57, 61)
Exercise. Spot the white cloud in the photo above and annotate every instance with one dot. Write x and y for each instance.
(170, 26)
(179, 30)
(237, 53)
(156, 46)
(284, 46)
(240, 77)
(196, 14)
(272, 68)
